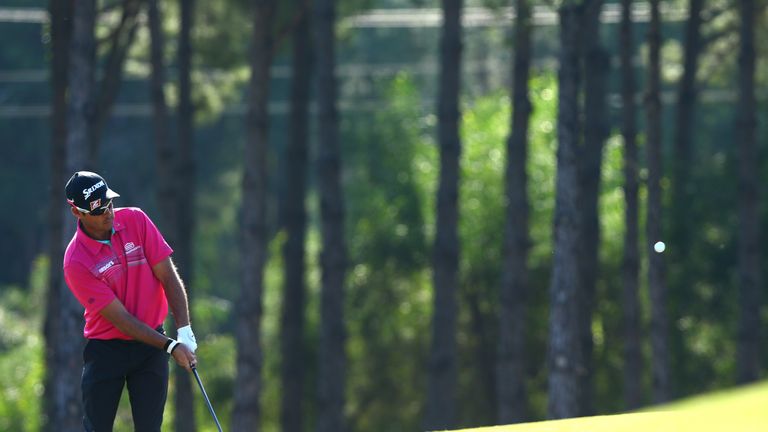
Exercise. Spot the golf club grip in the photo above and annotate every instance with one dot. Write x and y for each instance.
(207, 401)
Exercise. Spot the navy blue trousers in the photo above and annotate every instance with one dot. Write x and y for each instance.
(109, 365)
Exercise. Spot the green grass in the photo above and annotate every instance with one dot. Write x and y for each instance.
(743, 409)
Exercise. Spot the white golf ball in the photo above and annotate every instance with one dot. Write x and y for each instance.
(659, 247)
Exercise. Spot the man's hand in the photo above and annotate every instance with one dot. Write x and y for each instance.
(184, 357)
(186, 337)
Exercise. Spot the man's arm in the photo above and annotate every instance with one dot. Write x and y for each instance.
(116, 313)
(166, 272)
(175, 293)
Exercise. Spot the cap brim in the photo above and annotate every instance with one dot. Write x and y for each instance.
(112, 194)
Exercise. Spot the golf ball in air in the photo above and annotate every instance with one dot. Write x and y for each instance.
(659, 247)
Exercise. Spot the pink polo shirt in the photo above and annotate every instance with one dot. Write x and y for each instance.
(97, 273)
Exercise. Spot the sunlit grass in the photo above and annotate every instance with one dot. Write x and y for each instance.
(737, 410)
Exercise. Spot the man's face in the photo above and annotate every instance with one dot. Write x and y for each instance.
(98, 223)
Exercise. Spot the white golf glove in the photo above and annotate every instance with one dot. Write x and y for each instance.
(186, 337)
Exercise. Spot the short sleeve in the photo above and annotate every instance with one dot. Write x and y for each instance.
(156, 248)
(91, 292)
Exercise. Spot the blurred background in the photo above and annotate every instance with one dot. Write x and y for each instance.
(398, 215)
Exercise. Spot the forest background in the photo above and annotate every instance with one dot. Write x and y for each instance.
(390, 91)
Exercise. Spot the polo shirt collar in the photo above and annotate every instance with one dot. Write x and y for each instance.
(91, 244)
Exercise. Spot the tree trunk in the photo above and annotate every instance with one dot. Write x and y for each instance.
(121, 41)
(165, 163)
(630, 269)
(482, 325)
(66, 338)
(185, 185)
(61, 33)
(295, 216)
(565, 358)
(656, 271)
(682, 187)
(510, 385)
(170, 197)
(596, 71)
(333, 259)
(750, 277)
(247, 412)
(443, 367)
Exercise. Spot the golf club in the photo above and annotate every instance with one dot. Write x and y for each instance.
(205, 395)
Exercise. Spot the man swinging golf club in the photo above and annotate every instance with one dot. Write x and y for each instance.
(119, 268)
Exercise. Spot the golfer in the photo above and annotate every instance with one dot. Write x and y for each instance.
(119, 267)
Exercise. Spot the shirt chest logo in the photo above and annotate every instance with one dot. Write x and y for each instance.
(130, 247)
(106, 266)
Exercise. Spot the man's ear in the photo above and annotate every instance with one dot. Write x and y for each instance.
(75, 212)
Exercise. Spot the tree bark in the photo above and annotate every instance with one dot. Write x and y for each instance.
(295, 217)
(510, 387)
(121, 41)
(185, 199)
(596, 71)
(682, 188)
(246, 415)
(61, 34)
(750, 277)
(656, 268)
(565, 356)
(66, 338)
(443, 363)
(630, 268)
(171, 199)
(165, 163)
(333, 259)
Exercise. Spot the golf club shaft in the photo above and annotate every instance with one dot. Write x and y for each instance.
(207, 401)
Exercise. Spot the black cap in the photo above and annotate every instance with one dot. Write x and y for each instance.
(88, 191)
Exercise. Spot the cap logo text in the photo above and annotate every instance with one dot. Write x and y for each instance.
(95, 204)
(92, 189)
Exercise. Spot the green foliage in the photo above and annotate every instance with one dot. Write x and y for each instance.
(485, 128)
(216, 357)
(389, 298)
(390, 183)
(21, 352)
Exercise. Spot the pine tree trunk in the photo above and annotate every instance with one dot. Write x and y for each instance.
(682, 187)
(333, 259)
(165, 164)
(510, 384)
(443, 363)
(630, 269)
(185, 200)
(295, 217)
(750, 277)
(482, 325)
(656, 271)
(596, 71)
(246, 415)
(61, 33)
(120, 42)
(66, 339)
(684, 127)
(564, 338)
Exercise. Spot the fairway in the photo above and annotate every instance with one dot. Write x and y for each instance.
(743, 409)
